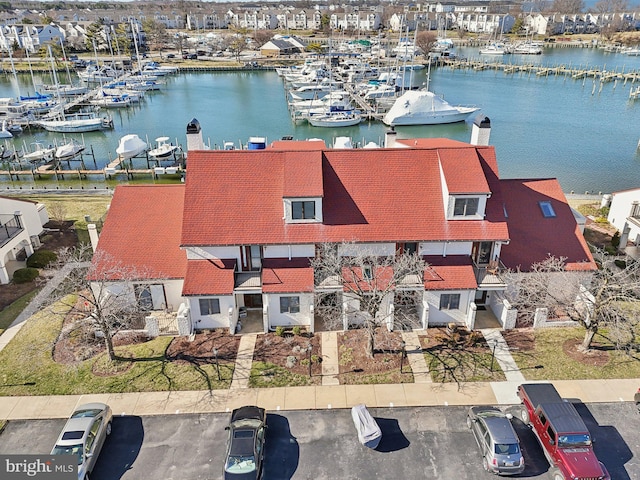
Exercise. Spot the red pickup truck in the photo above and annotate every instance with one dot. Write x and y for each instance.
(564, 437)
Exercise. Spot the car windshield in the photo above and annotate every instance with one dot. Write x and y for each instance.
(69, 450)
(86, 413)
(577, 440)
(507, 448)
(241, 464)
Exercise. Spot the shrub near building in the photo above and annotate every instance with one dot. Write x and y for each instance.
(41, 259)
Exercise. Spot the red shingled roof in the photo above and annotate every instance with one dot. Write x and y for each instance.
(281, 275)
(449, 273)
(209, 277)
(534, 237)
(373, 195)
(461, 175)
(142, 233)
(302, 174)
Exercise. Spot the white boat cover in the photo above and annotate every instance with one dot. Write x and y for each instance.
(130, 146)
(369, 433)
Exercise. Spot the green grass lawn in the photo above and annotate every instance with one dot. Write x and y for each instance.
(548, 361)
(266, 374)
(74, 207)
(458, 365)
(10, 313)
(27, 366)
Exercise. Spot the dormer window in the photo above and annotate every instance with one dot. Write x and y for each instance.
(303, 210)
(466, 207)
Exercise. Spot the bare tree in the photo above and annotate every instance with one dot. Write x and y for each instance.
(607, 298)
(102, 294)
(611, 6)
(425, 41)
(363, 284)
(156, 33)
(262, 36)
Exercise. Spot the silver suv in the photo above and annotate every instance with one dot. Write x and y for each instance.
(497, 440)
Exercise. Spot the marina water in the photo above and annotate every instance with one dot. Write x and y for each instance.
(582, 132)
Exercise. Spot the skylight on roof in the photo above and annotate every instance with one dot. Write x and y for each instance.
(547, 209)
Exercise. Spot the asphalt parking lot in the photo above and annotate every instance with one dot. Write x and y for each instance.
(427, 442)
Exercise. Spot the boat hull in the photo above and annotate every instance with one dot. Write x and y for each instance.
(435, 119)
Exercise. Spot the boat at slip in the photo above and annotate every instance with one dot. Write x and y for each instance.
(130, 146)
(69, 149)
(336, 119)
(163, 148)
(38, 152)
(77, 123)
(422, 107)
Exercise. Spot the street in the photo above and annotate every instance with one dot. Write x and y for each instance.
(427, 442)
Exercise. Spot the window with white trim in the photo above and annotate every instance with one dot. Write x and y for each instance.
(289, 304)
(449, 301)
(466, 207)
(209, 306)
(303, 210)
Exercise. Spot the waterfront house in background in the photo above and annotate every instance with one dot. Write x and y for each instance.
(21, 223)
(624, 214)
(236, 239)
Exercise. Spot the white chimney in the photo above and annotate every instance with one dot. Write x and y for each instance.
(194, 136)
(390, 138)
(481, 131)
(93, 235)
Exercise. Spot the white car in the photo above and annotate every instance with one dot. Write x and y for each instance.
(84, 434)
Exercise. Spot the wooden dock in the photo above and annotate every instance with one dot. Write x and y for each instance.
(50, 171)
(575, 72)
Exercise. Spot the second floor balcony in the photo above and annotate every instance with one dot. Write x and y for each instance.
(10, 226)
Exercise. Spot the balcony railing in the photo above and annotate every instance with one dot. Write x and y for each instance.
(490, 275)
(10, 226)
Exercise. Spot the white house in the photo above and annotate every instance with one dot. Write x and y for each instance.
(624, 214)
(21, 223)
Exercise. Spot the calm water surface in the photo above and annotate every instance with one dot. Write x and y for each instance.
(583, 134)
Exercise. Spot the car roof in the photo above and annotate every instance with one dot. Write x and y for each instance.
(564, 417)
(500, 429)
(242, 445)
(248, 412)
(80, 425)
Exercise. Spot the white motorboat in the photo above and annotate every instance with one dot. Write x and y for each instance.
(163, 149)
(527, 48)
(77, 123)
(38, 153)
(99, 75)
(379, 91)
(4, 132)
(69, 149)
(422, 107)
(336, 119)
(130, 146)
(493, 49)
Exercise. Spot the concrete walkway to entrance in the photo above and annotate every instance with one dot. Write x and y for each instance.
(330, 358)
(244, 359)
(415, 357)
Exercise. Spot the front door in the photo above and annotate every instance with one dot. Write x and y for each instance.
(481, 299)
(253, 300)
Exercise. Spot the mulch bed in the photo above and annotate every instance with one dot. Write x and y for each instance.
(439, 338)
(280, 350)
(200, 350)
(356, 365)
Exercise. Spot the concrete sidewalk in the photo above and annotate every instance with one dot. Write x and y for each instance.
(313, 397)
